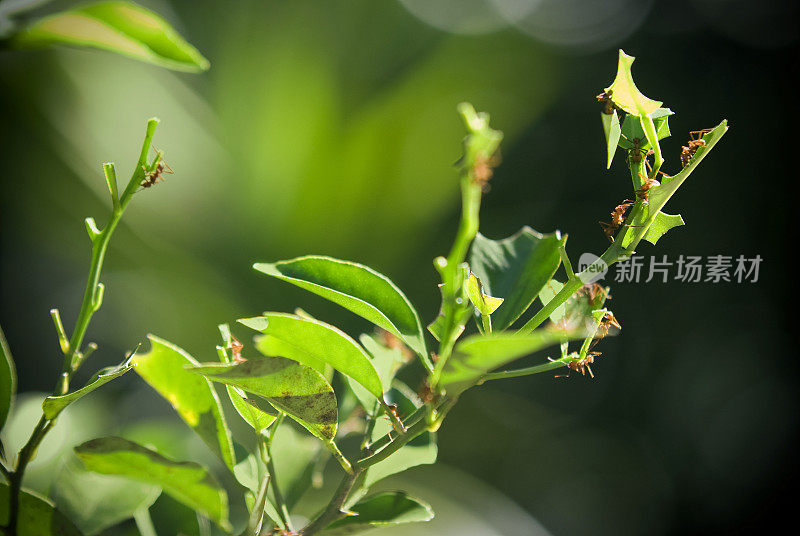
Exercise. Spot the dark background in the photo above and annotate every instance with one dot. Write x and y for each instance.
(331, 128)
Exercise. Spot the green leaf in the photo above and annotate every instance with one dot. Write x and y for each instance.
(53, 405)
(8, 379)
(37, 515)
(386, 362)
(484, 303)
(295, 456)
(624, 92)
(191, 395)
(659, 195)
(662, 223)
(515, 269)
(256, 417)
(612, 131)
(549, 292)
(632, 129)
(389, 508)
(95, 502)
(421, 450)
(121, 27)
(357, 288)
(299, 391)
(315, 344)
(187, 482)
(478, 354)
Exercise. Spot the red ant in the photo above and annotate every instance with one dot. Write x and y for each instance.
(695, 140)
(644, 192)
(158, 169)
(236, 350)
(617, 219)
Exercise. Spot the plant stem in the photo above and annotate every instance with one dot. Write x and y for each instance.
(333, 510)
(144, 523)
(266, 456)
(527, 371)
(92, 297)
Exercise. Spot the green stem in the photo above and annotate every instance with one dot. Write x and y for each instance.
(91, 302)
(334, 509)
(266, 456)
(527, 371)
(144, 522)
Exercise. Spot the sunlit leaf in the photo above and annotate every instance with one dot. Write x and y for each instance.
(386, 362)
(612, 130)
(191, 395)
(662, 223)
(315, 344)
(515, 269)
(357, 288)
(256, 417)
(187, 482)
(389, 508)
(121, 27)
(632, 129)
(549, 292)
(53, 405)
(625, 94)
(95, 502)
(484, 303)
(659, 195)
(8, 379)
(37, 515)
(478, 354)
(298, 390)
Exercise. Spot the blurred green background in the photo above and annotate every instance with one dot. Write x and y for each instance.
(330, 128)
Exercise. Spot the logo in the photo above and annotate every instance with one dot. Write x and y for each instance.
(591, 268)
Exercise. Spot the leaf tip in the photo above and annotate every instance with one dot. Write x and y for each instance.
(258, 323)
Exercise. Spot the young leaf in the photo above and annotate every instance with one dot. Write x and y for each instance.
(659, 195)
(121, 27)
(624, 92)
(389, 508)
(549, 292)
(187, 482)
(191, 395)
(315, 344)
(8, 379)
(484, 303)
(612, 130)
(632, 129)
(476, 355)
(357, 288)
(53, 405)
(256, 417)
(37, 515)
(95, 502)
(662, 223)
(515, 269)
(299, 391)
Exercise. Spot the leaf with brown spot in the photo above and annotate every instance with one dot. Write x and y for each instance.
(296, 389)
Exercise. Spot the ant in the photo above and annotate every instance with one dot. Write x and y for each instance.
(236, 350)
(608, 104)
(617, 219)
(156, 172)
(608, 321)
(644, 192)
(695, 140)
(593, 291)
(483, 170)
(582, 365)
